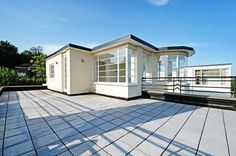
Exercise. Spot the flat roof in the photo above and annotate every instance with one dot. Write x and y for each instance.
(120, 40)
(212, 130)
(70, 45)
(205, 65)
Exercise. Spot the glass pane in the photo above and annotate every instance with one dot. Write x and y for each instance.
(132, 71)
(122, 72)
(172, 66)
(122, 79)
(145, 64)
(107, 73)
(162, 66)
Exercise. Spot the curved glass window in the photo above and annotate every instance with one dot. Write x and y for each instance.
(183, 63)
(172, 65)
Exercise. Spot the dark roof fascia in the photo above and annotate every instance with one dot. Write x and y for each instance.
(205, 65)
(143, 42)
(123, 39)
(177, 48)
(70, 45)
(130, 36)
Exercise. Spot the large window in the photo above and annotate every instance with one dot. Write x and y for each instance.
(172, 65)
(111, 67)
(202, 76)
(51, 71)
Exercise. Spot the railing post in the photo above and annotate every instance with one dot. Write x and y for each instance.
(180, 85)
(173, 84)
(234, 87)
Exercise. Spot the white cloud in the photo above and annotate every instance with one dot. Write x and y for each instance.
(159, 2)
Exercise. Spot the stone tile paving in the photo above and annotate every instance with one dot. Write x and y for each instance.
(43, 122)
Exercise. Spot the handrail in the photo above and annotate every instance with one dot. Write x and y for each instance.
(205, 84)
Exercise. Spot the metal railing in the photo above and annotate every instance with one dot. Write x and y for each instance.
(218, 85)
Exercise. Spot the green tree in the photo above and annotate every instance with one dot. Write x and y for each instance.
(9, 56)
(38, 64)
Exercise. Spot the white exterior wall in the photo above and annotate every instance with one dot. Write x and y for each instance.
(80, 71)
(56, 82)
(218, 86)
(191, 70)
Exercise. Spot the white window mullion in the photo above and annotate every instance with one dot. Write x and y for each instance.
(177, 66)
(97, 68)
(118, 66)
(127, 66)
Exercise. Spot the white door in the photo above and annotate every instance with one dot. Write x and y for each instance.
(65, 73)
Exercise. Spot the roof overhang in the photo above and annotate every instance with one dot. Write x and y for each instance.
(129, 39)
(125, 40)
(173, 49)
(66, 47)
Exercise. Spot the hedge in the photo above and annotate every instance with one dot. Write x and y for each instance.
(9, 77)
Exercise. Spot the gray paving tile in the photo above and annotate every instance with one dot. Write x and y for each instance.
(103, 140)
(16, 131)
(35, 121)
(89, 117)
(77, 121)
(59, 127)
(70, 117)
(56, 121)
(107, 126)
(16, 139)
(92, 132)
(101, 153)
(118, 121)
(41, 132)
(193, 128)
(137, 121)
(83, 127)
(17, 125)
(65, 133)
(97, 121)
(44, 140)
(74, 140)
(213, 138)
(118, 148)
(66, 153)
(31, 153)
(18, 148)
(86, 148)
(37, 126)
(51, 149)
(109, 117)
(230, 126)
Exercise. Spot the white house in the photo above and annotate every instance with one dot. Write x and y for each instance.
(115, 68)
(212, 77)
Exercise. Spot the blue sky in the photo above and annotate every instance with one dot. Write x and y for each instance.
(208, 26)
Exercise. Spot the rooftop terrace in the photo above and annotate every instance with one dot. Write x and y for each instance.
(43, 122)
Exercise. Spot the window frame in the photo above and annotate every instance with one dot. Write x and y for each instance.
(52, 71)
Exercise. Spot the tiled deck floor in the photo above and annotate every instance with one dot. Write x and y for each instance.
(47, 123)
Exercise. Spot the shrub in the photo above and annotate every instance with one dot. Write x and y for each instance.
(7, 76)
